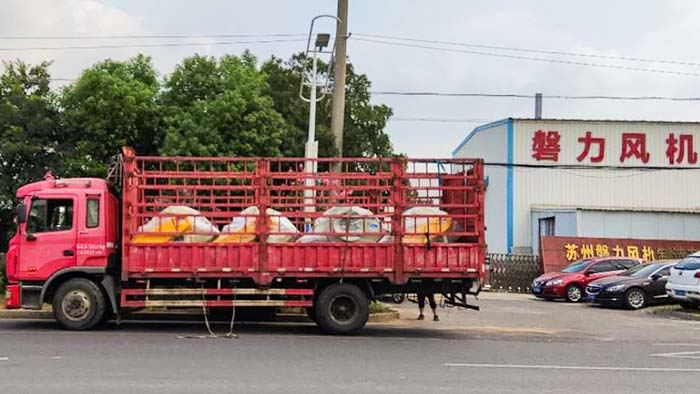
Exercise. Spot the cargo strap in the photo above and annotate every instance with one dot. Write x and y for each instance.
(212, 335)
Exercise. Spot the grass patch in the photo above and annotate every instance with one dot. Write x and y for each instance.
(378, 307)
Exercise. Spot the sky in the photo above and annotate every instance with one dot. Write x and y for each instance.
(658, 30)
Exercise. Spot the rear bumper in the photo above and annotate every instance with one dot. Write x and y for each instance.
(691, 293)
(12, 296)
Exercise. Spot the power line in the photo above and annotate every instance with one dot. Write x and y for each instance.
(439, 120)
(537, 59)
(172, 36)
(588, 167)
(155, 45)
(530, 96)
(530, 50)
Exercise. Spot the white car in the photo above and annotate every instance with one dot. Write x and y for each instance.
(684, 283)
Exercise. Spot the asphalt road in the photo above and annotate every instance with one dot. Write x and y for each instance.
(515, 345)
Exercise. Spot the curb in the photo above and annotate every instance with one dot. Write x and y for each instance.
(165, 316)
(384, 317)
(25, 314)
(677, 314)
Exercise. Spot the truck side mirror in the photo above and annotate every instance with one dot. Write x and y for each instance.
(21, 213)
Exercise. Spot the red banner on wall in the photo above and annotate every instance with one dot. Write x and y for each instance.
(558, 252)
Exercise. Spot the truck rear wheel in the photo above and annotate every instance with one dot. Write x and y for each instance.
(79, 305)
(342, 309)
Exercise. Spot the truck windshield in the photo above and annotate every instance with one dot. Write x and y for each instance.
(577, 266)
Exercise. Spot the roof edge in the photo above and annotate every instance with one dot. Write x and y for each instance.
(477, 129)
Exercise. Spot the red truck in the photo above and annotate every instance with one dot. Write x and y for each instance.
(360, 228)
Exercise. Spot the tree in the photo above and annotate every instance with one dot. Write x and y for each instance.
(220, 108)
(364, 123)
(112, 104)
(29, 134)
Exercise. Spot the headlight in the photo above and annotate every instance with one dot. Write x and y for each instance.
(553, 282)
(615, 288)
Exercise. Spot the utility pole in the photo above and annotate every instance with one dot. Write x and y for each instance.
(313, 49)
(538, 105)
(338, 104)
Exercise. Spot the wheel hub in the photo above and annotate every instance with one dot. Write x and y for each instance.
(574, 294)
(76, 305)
(343, 309)
(636, 299)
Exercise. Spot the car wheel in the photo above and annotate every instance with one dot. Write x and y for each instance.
(635, 299)
(688, 305)
(398, 298)
(574, 293)
(79, 304)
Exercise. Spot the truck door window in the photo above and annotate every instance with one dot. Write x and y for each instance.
(93, 213)
(50, 215)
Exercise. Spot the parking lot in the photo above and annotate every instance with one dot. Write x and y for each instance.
(514, 344)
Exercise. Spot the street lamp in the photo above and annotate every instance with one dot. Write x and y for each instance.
(311, 80)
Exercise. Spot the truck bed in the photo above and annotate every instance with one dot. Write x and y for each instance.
(220, 188)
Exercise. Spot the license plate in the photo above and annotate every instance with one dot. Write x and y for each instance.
(591, 297)
(537, 289)
(680, 293)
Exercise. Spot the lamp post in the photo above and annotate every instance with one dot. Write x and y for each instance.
(312, 81)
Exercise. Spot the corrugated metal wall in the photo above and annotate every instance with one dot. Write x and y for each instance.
(664, 190)
(489, 143)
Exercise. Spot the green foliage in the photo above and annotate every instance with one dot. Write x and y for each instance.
(378, 307)
(363, 131)
(30, 134)
(220, 108)
(206, 107)
(3, 276)
(112, 104)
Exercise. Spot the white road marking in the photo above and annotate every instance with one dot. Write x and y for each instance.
(676, 344)
(56, 357)
(692, 355)
(4, 358)
(571, 367)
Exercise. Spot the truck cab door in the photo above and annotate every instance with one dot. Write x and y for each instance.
(92, 245)
(48, 238)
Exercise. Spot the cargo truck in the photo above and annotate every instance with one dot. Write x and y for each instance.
(326, 235)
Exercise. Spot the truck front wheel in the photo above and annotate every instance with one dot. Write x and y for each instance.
(342, 309)
(79, 305)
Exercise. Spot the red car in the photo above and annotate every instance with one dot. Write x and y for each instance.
(571, 281)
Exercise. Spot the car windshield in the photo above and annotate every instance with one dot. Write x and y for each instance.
(577, 266)
(689, 263)
(641, 271)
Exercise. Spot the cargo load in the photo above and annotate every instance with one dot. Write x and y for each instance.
(242, 228)
(351, 224)
(186, 225)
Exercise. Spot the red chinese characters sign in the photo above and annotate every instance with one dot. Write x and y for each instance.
(558, 252)
(628, 147)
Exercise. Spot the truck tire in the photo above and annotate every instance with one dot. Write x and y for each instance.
(79, 304)
(342, 309)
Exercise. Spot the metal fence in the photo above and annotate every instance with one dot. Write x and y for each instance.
(514, 273)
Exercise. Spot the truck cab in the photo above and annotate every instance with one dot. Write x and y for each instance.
(67, 228)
